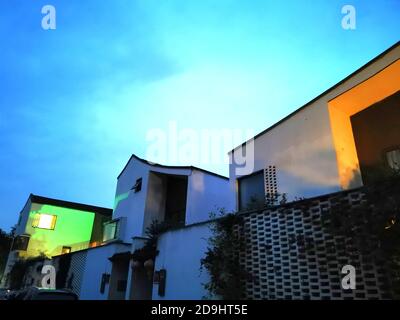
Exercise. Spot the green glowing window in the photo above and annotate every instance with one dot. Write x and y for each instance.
(44, 221)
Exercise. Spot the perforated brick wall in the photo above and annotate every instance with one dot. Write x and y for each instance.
(282, 267)
(76, 271)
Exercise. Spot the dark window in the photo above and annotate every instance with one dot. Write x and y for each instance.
(175, 205)
(162, 277)
(105, 279)
(251, 190)
(376, 137)
(138, 185)
(20, 243)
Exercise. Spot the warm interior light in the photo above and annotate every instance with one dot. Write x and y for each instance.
(376, 88)
(66, 250)
(45, 221)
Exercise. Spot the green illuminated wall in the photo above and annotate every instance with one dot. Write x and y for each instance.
(73, 228)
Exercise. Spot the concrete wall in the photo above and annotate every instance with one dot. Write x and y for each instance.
(180, 252)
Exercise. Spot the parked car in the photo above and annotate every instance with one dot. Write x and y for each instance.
(35, 293)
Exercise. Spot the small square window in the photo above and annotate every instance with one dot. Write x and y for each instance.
(138, 185)
(393, 159)
(20, 243)
(66, 250)
(44, 221)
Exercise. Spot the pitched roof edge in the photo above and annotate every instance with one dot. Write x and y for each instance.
(68, 204)
(170, 167)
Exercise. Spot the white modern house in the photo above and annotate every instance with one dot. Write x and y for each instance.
(337, 141)
(182, 197)
(177, 194)
(347, 137)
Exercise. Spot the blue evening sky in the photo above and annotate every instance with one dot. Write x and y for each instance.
(77, 101)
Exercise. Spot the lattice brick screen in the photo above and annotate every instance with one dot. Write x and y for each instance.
(76, 271)
(283, 269)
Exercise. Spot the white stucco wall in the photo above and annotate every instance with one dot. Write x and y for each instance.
(302, 150)
(180, 252)
(206, 193)
(128, 203)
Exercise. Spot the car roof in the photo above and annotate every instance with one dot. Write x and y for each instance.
(54, 290)
(46, 290)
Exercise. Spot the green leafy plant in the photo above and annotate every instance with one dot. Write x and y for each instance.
(5, 246)
(222, 258)
(373, 226)
(269, 201)
(153, 232)
(18, 272)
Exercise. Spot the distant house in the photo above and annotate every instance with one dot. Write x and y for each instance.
(345, 138)
(50, 227)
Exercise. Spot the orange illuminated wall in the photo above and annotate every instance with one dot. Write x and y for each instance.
(341, 108)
